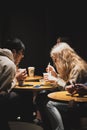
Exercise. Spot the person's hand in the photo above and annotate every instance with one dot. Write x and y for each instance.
(70, 89)
(80, 89)
(21, 74)
(50, 78)
(51, 69)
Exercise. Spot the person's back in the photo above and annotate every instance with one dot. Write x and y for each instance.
(7, 70)
(7, 83)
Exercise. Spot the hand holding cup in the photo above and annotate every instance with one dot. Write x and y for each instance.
(50, 69)
(21, 74)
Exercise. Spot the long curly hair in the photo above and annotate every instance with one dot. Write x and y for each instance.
(69, 64)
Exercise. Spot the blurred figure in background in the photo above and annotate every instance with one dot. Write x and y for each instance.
(7, 83)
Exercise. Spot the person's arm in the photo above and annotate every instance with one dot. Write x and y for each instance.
(80, 89)
(55, 81)
(21, 74)
(54, 78)
(8, 70)
(52, 70)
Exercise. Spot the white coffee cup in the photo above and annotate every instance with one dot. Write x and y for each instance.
(22, 70)
(42, 81)
(46, 76)
(31, 71)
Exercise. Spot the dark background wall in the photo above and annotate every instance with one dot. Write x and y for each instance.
(39, 23)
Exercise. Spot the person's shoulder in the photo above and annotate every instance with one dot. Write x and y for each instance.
(7, 53)
(10, 64)
(6, 59)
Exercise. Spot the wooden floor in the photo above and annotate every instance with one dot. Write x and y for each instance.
(23, 126)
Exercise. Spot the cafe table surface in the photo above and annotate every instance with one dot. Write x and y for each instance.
(34, 86)
(64, 96)
(33, 78)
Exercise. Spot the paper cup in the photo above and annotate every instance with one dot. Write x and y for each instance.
(31, 71)
(20, 82)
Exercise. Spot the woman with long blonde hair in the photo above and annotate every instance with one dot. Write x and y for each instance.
(70, 68)
(69, 65)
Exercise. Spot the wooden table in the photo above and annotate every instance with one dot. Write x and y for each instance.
(34, 78)
(34, 86)
(64, 96)
(78, 114)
